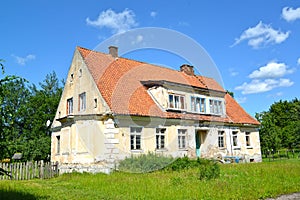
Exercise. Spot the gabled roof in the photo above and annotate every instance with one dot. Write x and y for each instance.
(119, 81)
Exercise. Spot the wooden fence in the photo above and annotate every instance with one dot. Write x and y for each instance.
(281, 154)
(28, 170)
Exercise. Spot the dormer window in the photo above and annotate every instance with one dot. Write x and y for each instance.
(216, 107)
(198, 104)
(176, 101)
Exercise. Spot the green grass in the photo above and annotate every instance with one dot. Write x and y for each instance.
(237, 181)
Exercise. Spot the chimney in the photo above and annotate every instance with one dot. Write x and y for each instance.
(188, 69)
(113, 51)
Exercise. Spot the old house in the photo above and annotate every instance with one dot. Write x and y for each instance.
(114, 107)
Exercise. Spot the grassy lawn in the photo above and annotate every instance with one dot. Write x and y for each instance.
(237, 181)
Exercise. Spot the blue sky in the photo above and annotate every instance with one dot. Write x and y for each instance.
(252, 43)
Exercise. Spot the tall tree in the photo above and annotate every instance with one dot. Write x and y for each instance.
(280, 126)
(25, 111)
(41, 107)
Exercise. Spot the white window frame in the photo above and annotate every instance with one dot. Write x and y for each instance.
(175, 101)
(82, 101)
(221, 139)
(216, 107)
(136, 138)
(70, 106)
(182, 138)
(198, 104)
(160, 138)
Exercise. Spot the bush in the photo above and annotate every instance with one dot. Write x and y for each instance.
(144, 163)
(209, 169)
(182, 163)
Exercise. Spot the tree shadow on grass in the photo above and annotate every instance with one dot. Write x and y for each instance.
(18, 195)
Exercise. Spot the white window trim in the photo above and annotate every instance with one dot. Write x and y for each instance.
(205, 104)
(141, 141)
(222, 106)
(224, 138)
(176, 94)
(186, 139)
(165, 139)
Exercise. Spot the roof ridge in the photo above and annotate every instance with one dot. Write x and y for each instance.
(142, 62)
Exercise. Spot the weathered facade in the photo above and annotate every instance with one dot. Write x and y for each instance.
(115, 107)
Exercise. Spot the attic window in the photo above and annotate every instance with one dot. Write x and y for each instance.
(198, 104)
(82, 101)
(216, 107)
(95, 103)
(80, 73)
(176, 101)
(69, 106)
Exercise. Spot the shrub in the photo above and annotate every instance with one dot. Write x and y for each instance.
(182, 163)
(209, 169)
(144, 163)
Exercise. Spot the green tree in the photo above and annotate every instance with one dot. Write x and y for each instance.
(41, 107)
(13, 96)
(280, 126)
(25, 111)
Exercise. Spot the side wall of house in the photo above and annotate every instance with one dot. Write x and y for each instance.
(77, 131)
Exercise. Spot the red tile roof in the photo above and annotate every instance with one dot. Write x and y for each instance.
(119, 82)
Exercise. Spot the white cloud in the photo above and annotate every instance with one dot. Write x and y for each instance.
(298, 61)
(24, 60)
(138, 39)
(262, 35)
(241, 99)
(290, 14)
(118, 22)
(258, 86)
(153, 14)
(271, 70)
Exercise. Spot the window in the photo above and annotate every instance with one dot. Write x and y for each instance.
(82, 102)
(160, 138)
(135, 138)
(221, 136)
(216, 107)
(95, 103)
(176, 101)
(198, 104)
(80, 73)
(71, 77)
(69, 106)
(182, 138)
(234, 138)
(58, 144)
(248, 141)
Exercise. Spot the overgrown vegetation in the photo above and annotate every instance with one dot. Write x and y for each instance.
(208, 169)
(144, 163)
(236, 181)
